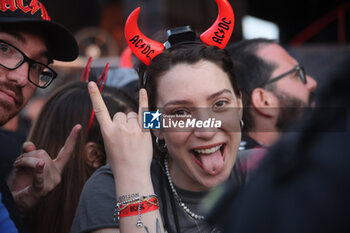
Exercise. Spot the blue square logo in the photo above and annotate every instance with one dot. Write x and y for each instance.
(151, 120)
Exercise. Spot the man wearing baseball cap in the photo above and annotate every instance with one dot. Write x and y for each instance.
(29, 42)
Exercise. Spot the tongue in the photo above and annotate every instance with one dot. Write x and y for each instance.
(212, 163)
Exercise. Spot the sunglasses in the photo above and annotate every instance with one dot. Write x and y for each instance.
(100, 81)
(299, 69)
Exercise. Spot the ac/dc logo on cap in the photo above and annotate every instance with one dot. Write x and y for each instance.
(25, 6)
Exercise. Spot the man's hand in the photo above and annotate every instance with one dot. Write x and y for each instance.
(35, 173)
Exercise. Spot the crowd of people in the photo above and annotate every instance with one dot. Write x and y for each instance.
(276, 162)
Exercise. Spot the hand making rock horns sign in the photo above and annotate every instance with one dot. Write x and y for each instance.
(129, 153)
(125, 141)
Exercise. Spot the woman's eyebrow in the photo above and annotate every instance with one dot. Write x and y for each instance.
(216, 94)
(176, 102)
(184, 102)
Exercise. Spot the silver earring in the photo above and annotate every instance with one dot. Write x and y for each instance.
(241, 123)
(161, 146)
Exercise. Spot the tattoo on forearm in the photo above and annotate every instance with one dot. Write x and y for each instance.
(158, 229)
(128, 196)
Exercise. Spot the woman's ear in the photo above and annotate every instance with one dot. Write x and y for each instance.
(93, 155)
(158, 134)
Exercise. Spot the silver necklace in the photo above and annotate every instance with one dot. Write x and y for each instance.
(177, 197)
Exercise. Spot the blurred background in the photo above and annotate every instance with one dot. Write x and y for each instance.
(315, 32)
(305, 27)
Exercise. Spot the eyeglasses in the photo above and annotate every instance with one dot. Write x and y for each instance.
(38, 74)
(299, 69)
(101, 79)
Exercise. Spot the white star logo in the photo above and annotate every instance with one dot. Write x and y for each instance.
(156, 115)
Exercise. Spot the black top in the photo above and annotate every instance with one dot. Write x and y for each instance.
(97, 200)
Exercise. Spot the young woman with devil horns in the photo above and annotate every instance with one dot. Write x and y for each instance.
(160, 188)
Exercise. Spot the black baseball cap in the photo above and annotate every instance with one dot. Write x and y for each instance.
(62, 45)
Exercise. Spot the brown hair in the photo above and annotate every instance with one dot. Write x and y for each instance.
(188, 54)
(69, 106)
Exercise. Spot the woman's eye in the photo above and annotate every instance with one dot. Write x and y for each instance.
(181, 112)
(220, 104)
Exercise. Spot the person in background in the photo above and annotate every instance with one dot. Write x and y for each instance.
(29, 43)
(69, 106)
(302, 184)
(275, 89)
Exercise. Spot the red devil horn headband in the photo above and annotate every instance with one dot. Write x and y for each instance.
(146, 49)
(143, 47)
(220, 32)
